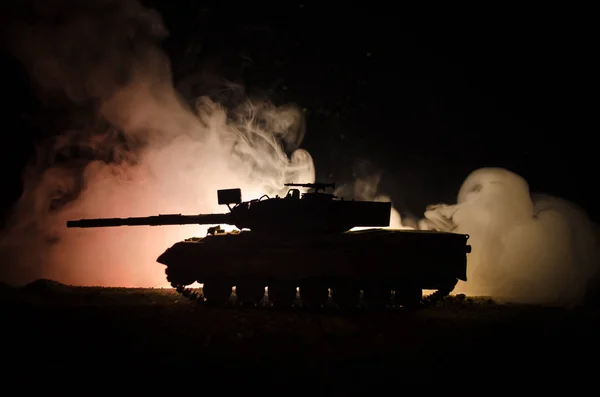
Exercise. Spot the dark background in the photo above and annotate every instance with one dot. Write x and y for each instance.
(426, 96)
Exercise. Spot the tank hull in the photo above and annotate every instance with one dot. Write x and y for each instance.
(367, 259)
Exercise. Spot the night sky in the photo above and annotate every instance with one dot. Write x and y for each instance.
(426, 96)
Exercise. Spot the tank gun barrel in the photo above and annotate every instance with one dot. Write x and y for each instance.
(156, 220)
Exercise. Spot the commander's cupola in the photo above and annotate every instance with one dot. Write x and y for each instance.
(294, 194)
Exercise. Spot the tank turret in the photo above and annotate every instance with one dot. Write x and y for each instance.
(296, 213)
(300, 251)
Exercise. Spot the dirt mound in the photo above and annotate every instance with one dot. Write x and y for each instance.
(6, 289)
(45, 285)
(4, 286)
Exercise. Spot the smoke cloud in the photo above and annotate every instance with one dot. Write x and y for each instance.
(146, 152)
(525, 247)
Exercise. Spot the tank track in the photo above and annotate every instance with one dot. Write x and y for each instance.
(296, 300)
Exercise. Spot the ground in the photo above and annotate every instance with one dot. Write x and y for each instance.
(142, 331)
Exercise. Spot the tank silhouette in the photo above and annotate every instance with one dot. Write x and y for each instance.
(300, 250)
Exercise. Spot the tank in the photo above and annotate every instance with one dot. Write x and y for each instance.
(306, 250)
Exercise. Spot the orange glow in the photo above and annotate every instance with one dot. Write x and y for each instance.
(180, 173)
(126, 256)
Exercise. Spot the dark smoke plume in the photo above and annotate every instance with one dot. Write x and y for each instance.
(144, 149)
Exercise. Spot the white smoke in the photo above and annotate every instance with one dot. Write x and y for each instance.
(525, 247)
